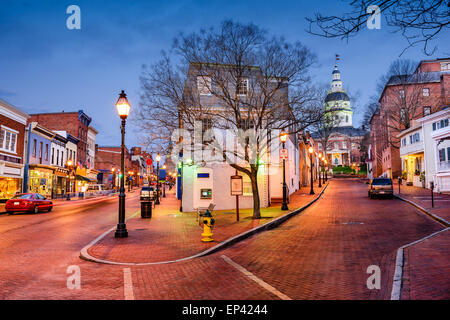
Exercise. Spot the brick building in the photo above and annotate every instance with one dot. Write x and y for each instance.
(12, 140)
(406, 98)
(74, 123)
(108, 162)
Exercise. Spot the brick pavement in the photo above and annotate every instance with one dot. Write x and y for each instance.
(422, 197)
(171, 235)
(426, 269)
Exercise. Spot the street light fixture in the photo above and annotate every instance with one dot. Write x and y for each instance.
(311, 150)
(123, 109)
(158, 158)
(283, 138)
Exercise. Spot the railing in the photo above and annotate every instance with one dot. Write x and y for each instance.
(444, 165)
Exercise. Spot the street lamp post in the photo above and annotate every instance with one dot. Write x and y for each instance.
(311, 150)
(326, 169)
(284, 206)
(320, 170)
(123, 109)
(164, 184)
(158, 158)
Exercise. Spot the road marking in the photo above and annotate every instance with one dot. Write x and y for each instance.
(128, 284)
(251, 276)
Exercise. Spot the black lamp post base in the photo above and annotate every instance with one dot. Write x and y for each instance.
(284, 206)
(121, 231)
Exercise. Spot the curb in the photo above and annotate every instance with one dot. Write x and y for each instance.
(398, 274)
(84, 255)
(432, 216)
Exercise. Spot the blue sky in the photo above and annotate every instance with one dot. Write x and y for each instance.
(47, 68)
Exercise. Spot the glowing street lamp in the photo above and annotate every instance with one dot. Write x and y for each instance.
(311, 151)
(284, 206)
(69, 165)
(123, 109)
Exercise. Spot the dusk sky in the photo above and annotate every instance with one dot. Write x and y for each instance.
(46, 67)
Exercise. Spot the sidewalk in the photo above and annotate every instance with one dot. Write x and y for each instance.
(422, 197)
(171, 235)
(426, 269)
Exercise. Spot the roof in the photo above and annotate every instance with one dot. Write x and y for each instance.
(334, 96)
(420, 77)
(14, 108)
(348, 131)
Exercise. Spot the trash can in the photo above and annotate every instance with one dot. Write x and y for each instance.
(146, 209)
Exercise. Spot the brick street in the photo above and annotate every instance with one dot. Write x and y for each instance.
(322, 253)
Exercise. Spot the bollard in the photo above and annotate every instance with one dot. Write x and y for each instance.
(432, 195)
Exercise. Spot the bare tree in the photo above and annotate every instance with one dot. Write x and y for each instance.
(234, 78)
(418, 21)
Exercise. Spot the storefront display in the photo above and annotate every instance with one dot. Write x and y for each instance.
(41, 181)
(8, 187)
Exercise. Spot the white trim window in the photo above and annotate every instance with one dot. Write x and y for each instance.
(426, 92)
(8, 140)
(445, 66)
(242, 88)
(204, 85)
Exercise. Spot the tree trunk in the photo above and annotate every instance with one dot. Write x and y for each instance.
(255, 191)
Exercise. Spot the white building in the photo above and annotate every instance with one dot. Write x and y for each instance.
(90, 148)
(412, 155)
(436, 133)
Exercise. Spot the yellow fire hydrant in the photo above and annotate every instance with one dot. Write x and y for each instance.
(208, 224)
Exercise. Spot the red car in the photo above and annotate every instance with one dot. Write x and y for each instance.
(29, 202)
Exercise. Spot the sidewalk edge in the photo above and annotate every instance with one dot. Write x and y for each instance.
(431, 215)
(399, 262)
(84, 255)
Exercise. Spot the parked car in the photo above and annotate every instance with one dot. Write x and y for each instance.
(28, 202)
(381, 186)
(96, 187)
(147, 193)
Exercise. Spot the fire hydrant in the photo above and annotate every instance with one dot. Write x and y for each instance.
(208, 224)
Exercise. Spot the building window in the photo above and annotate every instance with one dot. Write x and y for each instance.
(336, 145)
(246, 185)
(8, 140)
(401, 93)
(57, 157)
(346, 118)
(242, 88)
(440, 124)
(426, 111)
(46, 152)
(426, 92)
(441, 155)
(414, 138)
(62, 158)
(344, 145)
(445, 66)
(204, 85)
(53, 155)
(34, 147)
(403, 142)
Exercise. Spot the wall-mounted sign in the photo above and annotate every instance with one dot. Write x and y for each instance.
(283, 154)
(236, 186)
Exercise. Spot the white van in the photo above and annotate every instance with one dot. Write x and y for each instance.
(96, 188)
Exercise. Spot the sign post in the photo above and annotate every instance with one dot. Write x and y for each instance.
(236, 190)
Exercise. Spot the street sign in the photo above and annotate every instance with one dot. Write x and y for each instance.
(149, 162)
(236, 185)
(283, 154)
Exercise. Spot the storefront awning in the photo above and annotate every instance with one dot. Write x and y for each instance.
(82, 178)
